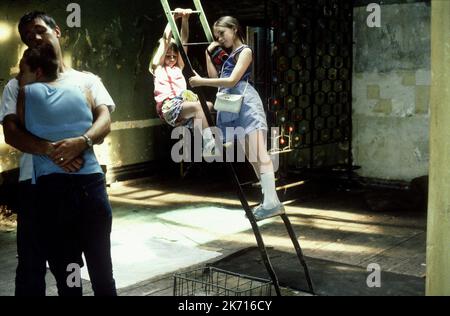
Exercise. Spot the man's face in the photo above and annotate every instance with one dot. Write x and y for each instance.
(37, 32)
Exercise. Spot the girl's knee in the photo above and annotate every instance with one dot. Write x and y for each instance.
(265, 167)
(198, 108)
(198, 105)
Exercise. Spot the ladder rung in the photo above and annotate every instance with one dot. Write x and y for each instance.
(276, 152)
(253, 183)
(290, 185)
(257, 183)
(192, 12)
(196, 44)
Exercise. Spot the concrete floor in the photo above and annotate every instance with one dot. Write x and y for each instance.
(166, 225)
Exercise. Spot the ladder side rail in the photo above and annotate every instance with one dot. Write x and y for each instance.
(256, 231)
(202, 99)
(298, 250)
(204, 21)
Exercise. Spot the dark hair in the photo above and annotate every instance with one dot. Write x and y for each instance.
(31, 16)
(231, 22)
(43, 57)
(173, 46)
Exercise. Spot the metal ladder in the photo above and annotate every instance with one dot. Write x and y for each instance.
(190, 72)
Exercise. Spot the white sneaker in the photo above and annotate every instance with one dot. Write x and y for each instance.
(209, 148)
(262, 213)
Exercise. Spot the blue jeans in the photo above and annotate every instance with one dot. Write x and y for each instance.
(31, 269)
(76, 218)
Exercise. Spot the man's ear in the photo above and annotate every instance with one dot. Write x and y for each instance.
(57, 31)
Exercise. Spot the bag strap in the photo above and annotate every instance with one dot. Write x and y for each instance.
(238, 52)
(233, 56)
(221, 72)
(246, 86)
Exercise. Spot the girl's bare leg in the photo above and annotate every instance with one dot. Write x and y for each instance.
(256, 152)
(194, 110)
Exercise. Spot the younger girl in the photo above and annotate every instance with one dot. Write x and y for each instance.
(174, 103)
(252, 118)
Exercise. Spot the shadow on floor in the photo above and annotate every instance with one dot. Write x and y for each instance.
(329, 278)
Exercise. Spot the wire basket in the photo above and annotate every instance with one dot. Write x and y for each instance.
(210, 281)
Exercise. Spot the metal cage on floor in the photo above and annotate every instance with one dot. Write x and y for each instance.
(210, 281)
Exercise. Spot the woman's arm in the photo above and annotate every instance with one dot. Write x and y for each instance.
(212, 71)
(244, 61)
(14, 127)
(21, 106)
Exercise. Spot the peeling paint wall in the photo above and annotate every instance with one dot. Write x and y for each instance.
(115, 41)
(391, 91)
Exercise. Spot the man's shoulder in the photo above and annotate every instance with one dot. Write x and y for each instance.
(12, 84)
(9, 99)
(11, 89)
(80, 75)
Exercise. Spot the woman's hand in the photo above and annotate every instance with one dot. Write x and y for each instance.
(195, 81)
(66, 150)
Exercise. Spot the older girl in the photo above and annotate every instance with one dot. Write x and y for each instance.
(234, 78)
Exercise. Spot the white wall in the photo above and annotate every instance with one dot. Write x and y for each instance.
(391, 84)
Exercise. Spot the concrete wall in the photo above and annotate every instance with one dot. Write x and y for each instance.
(391, 87)
(115, 41)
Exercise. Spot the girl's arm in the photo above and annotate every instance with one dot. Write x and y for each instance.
(184, 34)
(244, 61)
(158, 58)
(212, 71)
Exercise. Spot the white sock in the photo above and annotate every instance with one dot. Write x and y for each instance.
(268, 187)
(207, 136)
(209, 142)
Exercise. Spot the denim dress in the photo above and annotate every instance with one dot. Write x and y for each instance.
(252, 116)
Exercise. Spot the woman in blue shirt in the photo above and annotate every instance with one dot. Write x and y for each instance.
(74, 211)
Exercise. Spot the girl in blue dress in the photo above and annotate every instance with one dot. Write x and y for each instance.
(251, 120)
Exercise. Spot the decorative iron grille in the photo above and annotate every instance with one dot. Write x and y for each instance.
(311, 84)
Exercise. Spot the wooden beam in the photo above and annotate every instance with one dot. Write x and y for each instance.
(438, 228)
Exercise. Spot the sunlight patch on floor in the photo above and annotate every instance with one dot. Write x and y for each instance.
(144, 246)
